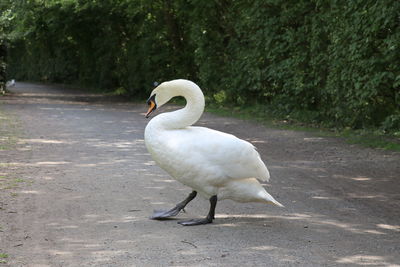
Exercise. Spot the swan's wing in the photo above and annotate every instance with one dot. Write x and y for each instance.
(234, 157)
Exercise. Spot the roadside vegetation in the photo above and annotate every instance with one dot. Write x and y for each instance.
(3, 256)
(9, 136)
(8, 132)
(8, 141)
(325, 64)
(372, 138)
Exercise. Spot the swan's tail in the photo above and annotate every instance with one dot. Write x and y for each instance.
(269, 199)
(277, 203)
(246, 190)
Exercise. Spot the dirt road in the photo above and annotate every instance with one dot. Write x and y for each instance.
(84, 187)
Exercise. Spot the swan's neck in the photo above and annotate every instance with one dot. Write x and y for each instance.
(186, 116)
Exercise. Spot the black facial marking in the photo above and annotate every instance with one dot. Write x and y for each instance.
(152, 98)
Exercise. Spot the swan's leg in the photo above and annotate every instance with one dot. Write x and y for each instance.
(165, 214)
(210, 217)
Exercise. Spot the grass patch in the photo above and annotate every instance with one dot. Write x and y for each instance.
(8, 132)
(3, 256)
(7, 183)
(368, 138)
(372, 139)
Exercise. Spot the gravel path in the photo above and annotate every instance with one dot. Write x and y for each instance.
(79, 186)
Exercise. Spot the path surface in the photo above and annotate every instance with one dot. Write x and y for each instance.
(86, 187)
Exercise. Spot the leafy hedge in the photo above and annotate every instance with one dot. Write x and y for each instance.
(5, 19)
(331, 62)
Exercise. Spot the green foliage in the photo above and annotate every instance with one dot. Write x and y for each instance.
(333, 63)
(5, 19)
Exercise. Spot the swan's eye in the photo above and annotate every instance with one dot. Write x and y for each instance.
(151, 99)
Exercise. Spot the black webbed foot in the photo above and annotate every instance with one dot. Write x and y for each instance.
(196, 222)
(206, 220)
(164, 214)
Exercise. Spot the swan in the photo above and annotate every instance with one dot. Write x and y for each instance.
(214, 164)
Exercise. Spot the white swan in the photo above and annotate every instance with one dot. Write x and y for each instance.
(214, 164)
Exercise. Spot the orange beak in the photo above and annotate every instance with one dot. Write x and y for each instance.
(152, 107)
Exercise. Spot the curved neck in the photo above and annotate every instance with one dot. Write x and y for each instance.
(188, 115)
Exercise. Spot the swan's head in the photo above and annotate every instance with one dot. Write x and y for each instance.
(165, 91)
(158, 97)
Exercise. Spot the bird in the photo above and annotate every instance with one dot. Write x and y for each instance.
(214, 164)
(10, 83)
